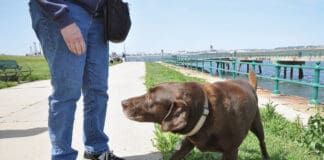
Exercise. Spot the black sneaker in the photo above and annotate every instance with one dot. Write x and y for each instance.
(103, 156)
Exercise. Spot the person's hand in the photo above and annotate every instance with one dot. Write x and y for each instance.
(74, 39)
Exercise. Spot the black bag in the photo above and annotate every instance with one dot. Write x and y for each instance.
(117, 20)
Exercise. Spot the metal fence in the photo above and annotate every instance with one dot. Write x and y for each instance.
(231, 66)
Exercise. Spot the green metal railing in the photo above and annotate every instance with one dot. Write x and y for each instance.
(206, 65)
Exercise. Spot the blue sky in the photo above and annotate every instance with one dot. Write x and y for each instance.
(175, 25)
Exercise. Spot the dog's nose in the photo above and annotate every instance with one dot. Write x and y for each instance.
(124, 103)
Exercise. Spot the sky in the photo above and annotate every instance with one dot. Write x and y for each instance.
(177, 25)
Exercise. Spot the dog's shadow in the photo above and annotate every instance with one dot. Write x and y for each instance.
(150, 156)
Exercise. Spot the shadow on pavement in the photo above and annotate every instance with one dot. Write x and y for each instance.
(21, 133)
(150, 156)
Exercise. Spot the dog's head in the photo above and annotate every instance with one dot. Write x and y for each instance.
(169, 104)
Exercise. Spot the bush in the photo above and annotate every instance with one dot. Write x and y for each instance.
(270, 109)
(313, 136)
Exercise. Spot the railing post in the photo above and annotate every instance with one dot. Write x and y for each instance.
(184, 61)
(180, 61)
(276, 79)
(233, 69)
(203, 65)
(192, 64)
(253, 65)
(316, 82)
(211, 68)
(188, 62)
(220, 70)
(197, 65)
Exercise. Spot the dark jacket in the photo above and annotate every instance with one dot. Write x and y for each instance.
(58, 10)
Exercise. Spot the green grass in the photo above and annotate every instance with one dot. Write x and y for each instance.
(7, 84)
(156, 74)
(281, 135)
(37, 64)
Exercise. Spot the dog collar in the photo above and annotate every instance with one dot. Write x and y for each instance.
(202, 119)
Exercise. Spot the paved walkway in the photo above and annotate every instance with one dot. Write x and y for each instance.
(24, 111)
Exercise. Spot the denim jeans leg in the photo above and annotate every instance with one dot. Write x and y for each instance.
(66, 71)
(95, 85)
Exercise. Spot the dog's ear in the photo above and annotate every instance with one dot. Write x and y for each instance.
(177, 117)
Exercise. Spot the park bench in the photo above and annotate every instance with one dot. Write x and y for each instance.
(11, 71)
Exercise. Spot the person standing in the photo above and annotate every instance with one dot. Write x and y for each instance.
(71, 33)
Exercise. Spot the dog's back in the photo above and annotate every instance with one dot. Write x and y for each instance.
(240, 91)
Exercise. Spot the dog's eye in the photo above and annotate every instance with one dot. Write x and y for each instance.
(177, 114)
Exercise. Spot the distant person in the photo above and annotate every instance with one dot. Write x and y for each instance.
(72, 37)
(124, 57)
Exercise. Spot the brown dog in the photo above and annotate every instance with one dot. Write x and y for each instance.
(214, 117)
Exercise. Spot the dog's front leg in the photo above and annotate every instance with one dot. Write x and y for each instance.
(186, 147)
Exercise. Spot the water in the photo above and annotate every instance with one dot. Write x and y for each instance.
(285, 87)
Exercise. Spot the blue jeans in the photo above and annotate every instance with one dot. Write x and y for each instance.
(71, 74)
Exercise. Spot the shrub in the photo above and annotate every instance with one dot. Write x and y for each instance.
(270, 108)
(313, 136)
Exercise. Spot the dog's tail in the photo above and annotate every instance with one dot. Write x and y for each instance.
(253, 79)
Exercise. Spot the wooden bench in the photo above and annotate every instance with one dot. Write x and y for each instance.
(11, 71)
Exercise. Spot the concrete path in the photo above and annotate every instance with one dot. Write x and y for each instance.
(24, 111)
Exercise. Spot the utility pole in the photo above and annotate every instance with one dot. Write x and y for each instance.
(124, 48)
(40, 49)
(30, 50)
(124, 53)
(35, 48)
(162, 54)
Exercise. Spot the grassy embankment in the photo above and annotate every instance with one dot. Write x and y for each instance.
(281, 135)
(38, 65)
